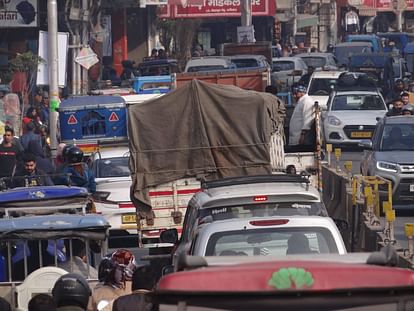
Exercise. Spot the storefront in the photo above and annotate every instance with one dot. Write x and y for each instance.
(220, 19)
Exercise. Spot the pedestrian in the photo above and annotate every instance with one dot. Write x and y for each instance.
(407, 111)
(10, 154)
(397, 106)
(304, 80)
(30, 175)
(272, 89)
(302, 120)
(351, 21)
(143, 282)
(80, 174)
(154, 53)
(162, 54)
(43, 162)
(59, 155)
(42, 302)
(44, 108)
(114, 271)
(71, 292)
(33, 114)
(405, 97)
(29, 135)
(399, 87)
(77, 262)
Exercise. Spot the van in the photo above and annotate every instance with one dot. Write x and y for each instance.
(211, 63)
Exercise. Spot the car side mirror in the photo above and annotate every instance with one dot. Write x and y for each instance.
(169, 236)
(365, 144)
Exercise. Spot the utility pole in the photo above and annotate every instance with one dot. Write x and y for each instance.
(246, 12)
(53, 71)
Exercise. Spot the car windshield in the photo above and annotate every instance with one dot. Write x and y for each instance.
(342, 53)
(265, 209)
(322, 86)
(272, 242)
(283, 66)
(245, 62)
(315, 61)
(357, 102)
(206, 68)
(397, 137)
(112, 167)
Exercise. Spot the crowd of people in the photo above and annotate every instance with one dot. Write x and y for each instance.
(399, 100)
(122, 286)
(25, 161)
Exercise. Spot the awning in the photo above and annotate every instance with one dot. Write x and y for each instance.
(306, 20)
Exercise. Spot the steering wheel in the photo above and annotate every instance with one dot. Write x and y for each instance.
(321, 92)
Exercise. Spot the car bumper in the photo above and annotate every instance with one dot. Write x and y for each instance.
(402, 186)
(345, 136)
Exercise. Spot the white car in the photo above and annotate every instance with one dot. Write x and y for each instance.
(269, 236)
(113, 181)
(321, 84)
(352, 116)
(210, 63)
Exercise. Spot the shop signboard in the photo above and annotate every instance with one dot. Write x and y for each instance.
(218, 8)
(18, 13)
(384, 5)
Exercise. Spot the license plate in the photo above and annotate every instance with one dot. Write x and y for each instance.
(361, 134)
(411, 188)
(129, 219)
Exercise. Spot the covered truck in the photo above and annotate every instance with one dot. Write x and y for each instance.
(201, 131)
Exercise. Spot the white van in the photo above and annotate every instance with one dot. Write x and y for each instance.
(210, 63)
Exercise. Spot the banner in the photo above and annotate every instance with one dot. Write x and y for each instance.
(217, 8)
(43, 68)
(18, 13)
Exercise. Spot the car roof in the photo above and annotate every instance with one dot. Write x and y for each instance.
(232, 194)
(263, 222)
(373, 91)
(210, 60)
(353, 43)
(399, 120)
(333, 74)
(287, 58)
(243, 56)
(112, 152)
(314, 54)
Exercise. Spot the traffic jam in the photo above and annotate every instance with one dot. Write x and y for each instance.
(215, 189)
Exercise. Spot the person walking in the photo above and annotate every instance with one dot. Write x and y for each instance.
(29, 135)
(71, 292)
(302, 119)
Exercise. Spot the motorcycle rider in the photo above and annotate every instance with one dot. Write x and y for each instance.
(71, 293)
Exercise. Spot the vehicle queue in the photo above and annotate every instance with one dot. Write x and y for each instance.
(273, 216)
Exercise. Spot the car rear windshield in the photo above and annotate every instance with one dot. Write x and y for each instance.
(264, 209)
(358, 102)
(322, 86)
(283, 66)
(112, 167)
(206, 68)
(315, 61)
(272, 242)
(397, 137)
(245, 62)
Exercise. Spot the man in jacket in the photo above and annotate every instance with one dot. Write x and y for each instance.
(302, 118)
(30, 176)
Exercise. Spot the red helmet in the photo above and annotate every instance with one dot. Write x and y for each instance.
(125, 259)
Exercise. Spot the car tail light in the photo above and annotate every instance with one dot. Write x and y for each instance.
(260, 198)
(273, 222)
(126, 205)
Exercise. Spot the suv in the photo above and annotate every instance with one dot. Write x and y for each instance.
(390, 155)
(352, 115)
(249, 196)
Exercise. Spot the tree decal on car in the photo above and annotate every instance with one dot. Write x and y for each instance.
(286, 278)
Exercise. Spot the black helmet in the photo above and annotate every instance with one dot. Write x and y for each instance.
(71, 289)
(74, 155)
(65, 152)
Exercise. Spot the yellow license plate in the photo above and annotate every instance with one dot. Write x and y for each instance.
(361, 134)
(129, 219)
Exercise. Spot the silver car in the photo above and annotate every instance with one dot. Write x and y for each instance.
(390, 155)
(287, 70)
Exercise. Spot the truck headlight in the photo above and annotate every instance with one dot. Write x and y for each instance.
(387, 166)
(334, 121)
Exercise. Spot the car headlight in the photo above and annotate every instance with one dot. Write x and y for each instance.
(334, 121)
(387, 166)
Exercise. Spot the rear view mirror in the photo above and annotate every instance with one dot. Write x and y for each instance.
(365, 144)
(169, 236)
